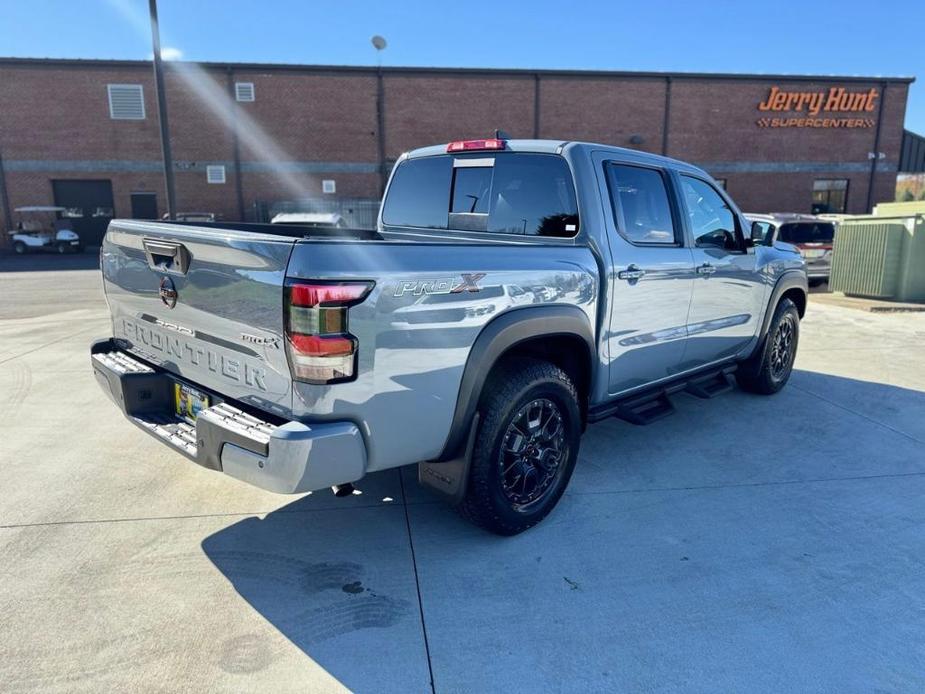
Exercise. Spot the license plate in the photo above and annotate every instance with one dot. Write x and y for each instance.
(813, 252)
(189, 401)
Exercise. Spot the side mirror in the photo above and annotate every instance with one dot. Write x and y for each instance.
(757, 234)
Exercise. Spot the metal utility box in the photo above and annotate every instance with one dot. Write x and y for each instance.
(881, 256)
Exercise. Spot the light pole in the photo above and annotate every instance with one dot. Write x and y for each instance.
(162, 112)
(379, 44)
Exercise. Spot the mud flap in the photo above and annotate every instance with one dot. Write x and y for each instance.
(450, 478)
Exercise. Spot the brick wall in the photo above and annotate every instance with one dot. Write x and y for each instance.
(311, 117)
(712, 121)
(774, 192)
(63, 114)
(317, 123)
(612, 111)
(423, 109)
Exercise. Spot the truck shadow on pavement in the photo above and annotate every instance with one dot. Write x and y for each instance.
(335, 577)
(338, 578)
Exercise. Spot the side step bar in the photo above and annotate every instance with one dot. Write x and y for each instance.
(651, 405)
(645, 410)
(710, 386)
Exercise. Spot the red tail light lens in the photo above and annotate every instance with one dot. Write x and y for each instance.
(320, 348)
(310, 295)
(470, 145)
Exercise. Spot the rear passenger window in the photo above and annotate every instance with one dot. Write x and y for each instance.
(506, 193)
(640, 204)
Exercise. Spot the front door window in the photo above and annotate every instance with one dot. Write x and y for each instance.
(712, 221)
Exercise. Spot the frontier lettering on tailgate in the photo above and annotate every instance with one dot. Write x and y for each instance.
(170, 346)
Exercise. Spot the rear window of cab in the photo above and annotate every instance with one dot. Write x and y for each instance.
(499, 192)
(807, 232)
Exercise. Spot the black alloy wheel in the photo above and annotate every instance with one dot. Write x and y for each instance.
(782, 347)
(532, 452)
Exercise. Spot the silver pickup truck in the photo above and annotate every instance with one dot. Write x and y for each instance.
(514, 291)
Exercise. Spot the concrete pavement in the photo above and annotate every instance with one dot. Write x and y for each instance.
(744, 544)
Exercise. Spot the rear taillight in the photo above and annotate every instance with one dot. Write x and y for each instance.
(814, 250)
(472, 145)
(319, 345)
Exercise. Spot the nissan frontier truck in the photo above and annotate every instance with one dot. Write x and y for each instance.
(514, 292)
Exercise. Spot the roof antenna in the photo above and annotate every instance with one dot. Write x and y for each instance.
(501, 135)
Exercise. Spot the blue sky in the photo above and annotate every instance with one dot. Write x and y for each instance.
(778, 36)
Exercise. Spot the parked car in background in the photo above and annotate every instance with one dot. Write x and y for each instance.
(43, 227)
(812, 235)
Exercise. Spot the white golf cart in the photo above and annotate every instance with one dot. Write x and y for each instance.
(43, 228)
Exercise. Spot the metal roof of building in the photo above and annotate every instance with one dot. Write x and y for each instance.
(455, 71)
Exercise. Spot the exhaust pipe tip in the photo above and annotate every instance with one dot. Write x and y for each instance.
(342, 490)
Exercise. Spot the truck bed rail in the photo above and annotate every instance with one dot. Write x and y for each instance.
(296, 231)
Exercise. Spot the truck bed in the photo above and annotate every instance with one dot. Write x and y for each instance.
(431, 298)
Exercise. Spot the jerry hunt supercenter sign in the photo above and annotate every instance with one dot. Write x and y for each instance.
(815, 107)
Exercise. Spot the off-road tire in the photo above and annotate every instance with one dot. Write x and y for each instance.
(515, 385)
(759, 373)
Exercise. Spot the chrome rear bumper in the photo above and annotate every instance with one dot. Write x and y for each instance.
(287, 457)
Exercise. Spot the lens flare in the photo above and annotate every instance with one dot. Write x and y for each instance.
(252, 137)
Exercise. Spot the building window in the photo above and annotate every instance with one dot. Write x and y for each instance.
(328, 186)
(830, 195)
(244, 91)
(215, 173)
(126, 101)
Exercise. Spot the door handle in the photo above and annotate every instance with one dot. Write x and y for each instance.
(631, 274)
(166, 256)
(706, 269)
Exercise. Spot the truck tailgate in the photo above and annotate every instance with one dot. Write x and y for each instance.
(205, 304)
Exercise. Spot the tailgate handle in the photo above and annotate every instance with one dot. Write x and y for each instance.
(167, 256)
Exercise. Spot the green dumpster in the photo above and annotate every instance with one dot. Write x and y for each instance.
(882, 255)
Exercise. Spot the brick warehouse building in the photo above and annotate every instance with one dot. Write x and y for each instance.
(84, 134)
